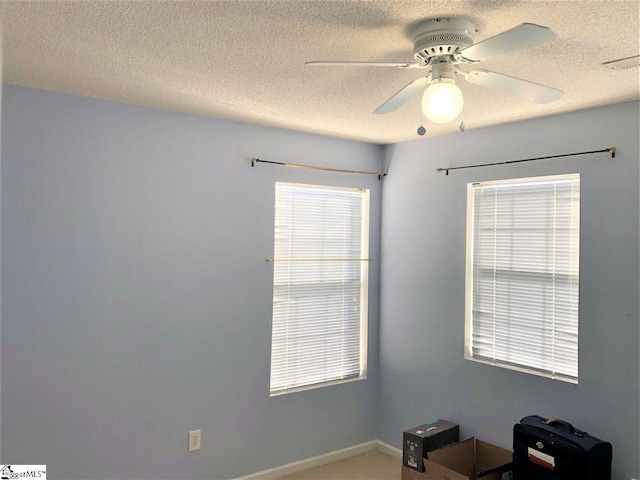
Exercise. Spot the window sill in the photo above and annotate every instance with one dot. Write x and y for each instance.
(317, 385)
(522, 369)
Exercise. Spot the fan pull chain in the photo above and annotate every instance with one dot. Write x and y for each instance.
(421, 130)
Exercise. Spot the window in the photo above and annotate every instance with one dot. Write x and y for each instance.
(320, 284)
(523, 239)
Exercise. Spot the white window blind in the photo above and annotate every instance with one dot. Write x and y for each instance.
(320, 286)
(523, 240)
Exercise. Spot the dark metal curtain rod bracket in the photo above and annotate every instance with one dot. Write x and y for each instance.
(611, 150)
(311, 167)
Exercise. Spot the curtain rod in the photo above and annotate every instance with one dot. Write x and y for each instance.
(315, 260)
(611, 150)
(294, 165)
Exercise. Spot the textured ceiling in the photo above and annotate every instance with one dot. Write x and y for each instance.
(244, 60)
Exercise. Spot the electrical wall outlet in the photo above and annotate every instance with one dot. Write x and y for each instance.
(194, 440)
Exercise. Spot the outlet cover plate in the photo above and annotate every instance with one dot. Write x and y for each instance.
(194, 440)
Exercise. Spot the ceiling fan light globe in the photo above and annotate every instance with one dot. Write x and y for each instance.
(442, 102)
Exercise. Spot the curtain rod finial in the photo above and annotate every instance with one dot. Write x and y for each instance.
(613, 152)
(438, 170)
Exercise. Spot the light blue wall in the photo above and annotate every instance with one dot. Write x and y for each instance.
(1, 72)
(137, 299)
(422, 371)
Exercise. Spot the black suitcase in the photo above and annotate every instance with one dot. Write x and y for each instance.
(555, 450)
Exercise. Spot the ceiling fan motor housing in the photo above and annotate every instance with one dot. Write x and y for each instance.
(441, 37)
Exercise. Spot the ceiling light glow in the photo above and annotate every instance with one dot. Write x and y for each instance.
(442, 101)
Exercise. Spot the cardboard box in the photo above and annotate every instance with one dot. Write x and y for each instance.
(469, 460)
(418, 441)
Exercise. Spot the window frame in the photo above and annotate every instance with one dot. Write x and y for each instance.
(364, 292)
(469, 281)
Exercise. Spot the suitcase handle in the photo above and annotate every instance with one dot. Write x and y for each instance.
(566, 425)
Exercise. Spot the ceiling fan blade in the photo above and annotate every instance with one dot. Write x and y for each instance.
(364, 64)
(522, 36)
(402, 96)
(515, 86)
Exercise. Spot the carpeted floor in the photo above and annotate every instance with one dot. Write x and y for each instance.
(369, 466)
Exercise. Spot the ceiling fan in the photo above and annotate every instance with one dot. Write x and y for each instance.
(443, 44)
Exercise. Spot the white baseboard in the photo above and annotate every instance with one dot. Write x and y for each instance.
(331, 457)
(313, 462)
(388, 450)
